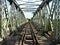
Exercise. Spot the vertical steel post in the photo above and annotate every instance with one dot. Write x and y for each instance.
(0, 15)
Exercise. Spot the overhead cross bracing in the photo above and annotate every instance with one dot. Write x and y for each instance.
(27, 6)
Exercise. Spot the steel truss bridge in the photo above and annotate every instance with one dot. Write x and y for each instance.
(42, 29)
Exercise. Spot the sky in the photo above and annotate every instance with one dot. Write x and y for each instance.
(28, 15)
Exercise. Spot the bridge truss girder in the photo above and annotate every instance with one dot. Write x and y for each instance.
(10, 19)
(48, 16)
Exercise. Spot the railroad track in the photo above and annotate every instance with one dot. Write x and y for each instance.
(28, 36)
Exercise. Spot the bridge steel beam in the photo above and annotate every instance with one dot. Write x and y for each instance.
(3, 18)
(16, 15)
(49, 17)
(0, 15)
(10, 19)
(42, 5)
(41, 10)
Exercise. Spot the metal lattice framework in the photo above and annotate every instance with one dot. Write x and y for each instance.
(47, 17)
(10, 19)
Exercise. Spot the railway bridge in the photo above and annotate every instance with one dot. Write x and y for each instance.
(42, 29)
